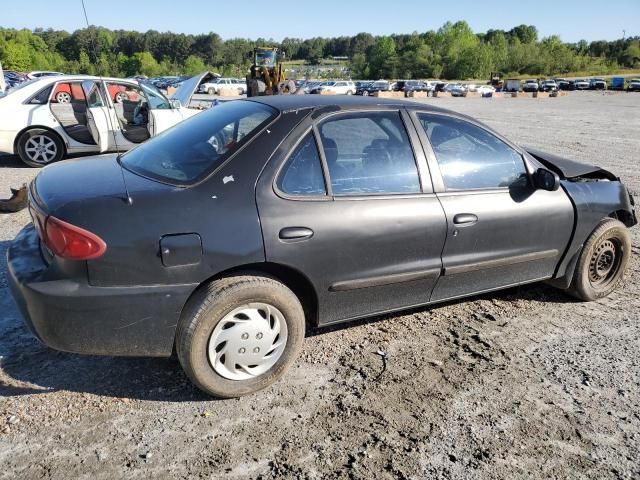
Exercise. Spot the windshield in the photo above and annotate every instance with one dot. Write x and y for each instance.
(265, 58)
(195, 147)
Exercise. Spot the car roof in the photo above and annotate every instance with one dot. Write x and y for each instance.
(346, 102)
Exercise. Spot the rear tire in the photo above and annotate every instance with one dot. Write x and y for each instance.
(211, 91)
(603, 261)
(226, 328)
(63, 97)
(39, 147)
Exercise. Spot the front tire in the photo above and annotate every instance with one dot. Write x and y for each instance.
(239, 335)
(211, 91)
(39, 147)
(603, 261)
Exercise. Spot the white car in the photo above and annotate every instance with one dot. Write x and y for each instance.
(485, 89)
(213, 87)
(339, 88)
(45, 119)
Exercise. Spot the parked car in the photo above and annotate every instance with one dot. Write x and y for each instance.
(431, 209)
(456, 89)
(213, 87)
(617, 83)
(634, 85)
(581, 84)
(66, 92)
(307, 87)
(378, 86)
(563, 84)
(40, 74)
(548, 86)
(597, 84)
(530, 86)
(46, 119)
(485, 90)
(339, 87)
(407, 86)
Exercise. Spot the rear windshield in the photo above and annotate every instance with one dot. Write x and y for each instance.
(195, 147)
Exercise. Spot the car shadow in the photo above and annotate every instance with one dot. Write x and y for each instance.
(11, 161)
(28, 367)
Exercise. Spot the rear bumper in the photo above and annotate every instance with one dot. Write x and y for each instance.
(73, 316)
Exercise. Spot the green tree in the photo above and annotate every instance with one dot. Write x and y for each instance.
(384, 59)
(194, 65)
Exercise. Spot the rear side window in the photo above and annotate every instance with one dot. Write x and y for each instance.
(41, 97)
(369, 153)
(195, 147)
(469, 157)
(302, 174)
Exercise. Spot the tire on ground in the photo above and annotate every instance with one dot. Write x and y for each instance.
(608, 232)
(209, 305)
(33, 132)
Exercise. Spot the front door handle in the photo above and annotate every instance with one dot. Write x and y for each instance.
(295, 233)
(465, 219)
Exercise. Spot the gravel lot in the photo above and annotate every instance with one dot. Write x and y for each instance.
(525, 383)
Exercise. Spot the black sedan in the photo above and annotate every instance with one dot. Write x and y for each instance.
(370, 88)
(230, 235)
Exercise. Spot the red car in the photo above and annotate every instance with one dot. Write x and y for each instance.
(65, 92)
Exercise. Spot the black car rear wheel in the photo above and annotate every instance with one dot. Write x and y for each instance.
(239, 335)
(603, 261)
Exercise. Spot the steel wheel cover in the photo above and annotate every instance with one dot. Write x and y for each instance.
(604, 263)
(41, 149)
(248, 341)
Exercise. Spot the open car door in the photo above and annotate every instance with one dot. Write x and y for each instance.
(163, 114)
(97, 121)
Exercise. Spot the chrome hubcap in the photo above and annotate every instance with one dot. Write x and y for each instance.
(63, 97)
(604, 263)
(41, 149)
(248, 341)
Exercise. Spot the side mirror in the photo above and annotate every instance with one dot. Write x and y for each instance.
(175, 103)
(546, 180)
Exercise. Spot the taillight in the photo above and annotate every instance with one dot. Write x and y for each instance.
(71, 242)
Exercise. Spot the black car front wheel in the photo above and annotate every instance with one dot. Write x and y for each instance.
(239, 335)
(603, 261)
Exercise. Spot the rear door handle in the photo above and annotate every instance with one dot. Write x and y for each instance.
(465, 219)
(295, 233)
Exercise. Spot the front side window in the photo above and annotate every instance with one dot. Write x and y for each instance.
(302, 174)
(199, 144)
(369, 153)
(470, 157)
(156, 100)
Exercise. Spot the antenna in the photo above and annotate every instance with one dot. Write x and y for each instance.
(128, 198)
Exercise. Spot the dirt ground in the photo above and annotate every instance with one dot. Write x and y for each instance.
(524, 383)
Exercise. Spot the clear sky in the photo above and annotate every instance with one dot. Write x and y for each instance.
(572, 20)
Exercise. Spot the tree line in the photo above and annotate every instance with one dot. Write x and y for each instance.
(453, 51)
